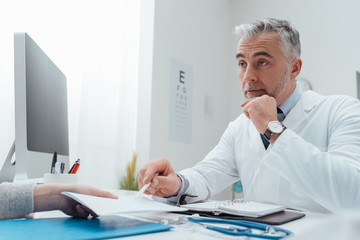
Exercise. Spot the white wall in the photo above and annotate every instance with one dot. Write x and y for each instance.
(329, 34)
(199, 34)
(146, 43)
(195, 32)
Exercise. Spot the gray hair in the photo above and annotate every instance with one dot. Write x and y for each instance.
(289, 36)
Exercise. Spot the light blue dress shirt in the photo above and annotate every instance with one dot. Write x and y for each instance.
(292, 100)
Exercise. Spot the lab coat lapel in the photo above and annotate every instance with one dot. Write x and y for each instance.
(300, 111)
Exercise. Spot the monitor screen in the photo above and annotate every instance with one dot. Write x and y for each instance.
(46, 102)
(41, 117)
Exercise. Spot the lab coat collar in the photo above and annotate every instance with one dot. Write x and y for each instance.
(300, 111)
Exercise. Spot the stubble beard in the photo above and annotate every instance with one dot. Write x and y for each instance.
(281, 84)
(277, 90)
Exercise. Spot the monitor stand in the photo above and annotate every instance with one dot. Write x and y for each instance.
(12, 172)
(7, 173)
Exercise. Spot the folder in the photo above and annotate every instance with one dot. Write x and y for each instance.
(104, 227)
(239, 207)
(278, 218)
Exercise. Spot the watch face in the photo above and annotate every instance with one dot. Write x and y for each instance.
(276, 127)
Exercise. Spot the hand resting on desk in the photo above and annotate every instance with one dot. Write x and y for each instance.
(48, 197)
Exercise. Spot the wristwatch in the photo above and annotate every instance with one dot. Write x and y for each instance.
(274, 127)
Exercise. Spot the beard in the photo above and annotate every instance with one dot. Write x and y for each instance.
(279, 87)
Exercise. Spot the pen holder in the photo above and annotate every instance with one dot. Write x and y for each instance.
(60, 178)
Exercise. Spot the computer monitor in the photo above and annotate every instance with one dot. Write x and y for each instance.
(41, 117)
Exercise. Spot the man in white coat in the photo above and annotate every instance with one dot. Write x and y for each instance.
(289, 147)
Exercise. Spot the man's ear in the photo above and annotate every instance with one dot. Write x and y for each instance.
(295, 67)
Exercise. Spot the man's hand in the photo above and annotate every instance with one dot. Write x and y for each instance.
(261, 111)
(166, 184)
(48, 197)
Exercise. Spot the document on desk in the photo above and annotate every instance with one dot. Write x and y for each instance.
(124, 204)
(239, 207)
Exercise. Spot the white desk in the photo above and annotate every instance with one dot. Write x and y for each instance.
(194, 231)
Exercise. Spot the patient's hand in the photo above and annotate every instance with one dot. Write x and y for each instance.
(48, 197)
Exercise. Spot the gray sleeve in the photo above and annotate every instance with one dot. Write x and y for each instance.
(175, 200)
(16, 200)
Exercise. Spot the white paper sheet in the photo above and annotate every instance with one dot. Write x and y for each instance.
(124, 204)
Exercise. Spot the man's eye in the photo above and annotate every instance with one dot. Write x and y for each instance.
(262, 63)
(242, 64)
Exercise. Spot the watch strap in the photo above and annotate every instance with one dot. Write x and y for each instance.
(267, 134)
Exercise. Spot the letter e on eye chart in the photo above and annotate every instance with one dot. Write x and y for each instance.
(181, 84)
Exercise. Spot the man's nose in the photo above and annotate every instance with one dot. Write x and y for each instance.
(250, 74)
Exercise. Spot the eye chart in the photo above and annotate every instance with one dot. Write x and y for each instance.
(181, 88)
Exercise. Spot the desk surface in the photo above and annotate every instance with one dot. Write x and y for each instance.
(194, 231)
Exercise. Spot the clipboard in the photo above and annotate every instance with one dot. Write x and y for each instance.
(273, 219)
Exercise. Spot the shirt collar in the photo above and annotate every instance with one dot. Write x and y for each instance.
(292, 100)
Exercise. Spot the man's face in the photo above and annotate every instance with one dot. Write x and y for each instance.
(263, 68)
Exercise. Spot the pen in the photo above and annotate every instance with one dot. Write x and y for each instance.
(62, 168)
(54, 160)
(75, 167)
(143, 189)
(57, 167)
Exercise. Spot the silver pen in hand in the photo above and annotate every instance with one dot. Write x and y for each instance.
(143, 189)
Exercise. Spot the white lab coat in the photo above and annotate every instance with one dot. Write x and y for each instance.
(313, 165)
